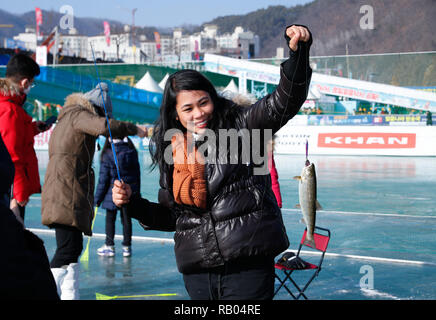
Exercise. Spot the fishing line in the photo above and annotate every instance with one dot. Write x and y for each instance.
(106, 115)
(300, 52)
(86, 257)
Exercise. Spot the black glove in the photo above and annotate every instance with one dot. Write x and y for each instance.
(296, 67)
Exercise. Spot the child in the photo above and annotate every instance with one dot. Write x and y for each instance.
(128, 164)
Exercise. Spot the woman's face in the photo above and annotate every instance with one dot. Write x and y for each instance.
(194, 110)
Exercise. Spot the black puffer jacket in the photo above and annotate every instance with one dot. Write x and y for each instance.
(242, 219)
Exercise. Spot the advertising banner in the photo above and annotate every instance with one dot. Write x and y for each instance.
(12, 44)
(367, 120)
(374, 92)
(357, 140)
(38, 18)
(157, 40)
(42, 140)
(107, 32)
(327, 84)
(41, 56)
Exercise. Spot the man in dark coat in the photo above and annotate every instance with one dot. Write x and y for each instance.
(25, 270)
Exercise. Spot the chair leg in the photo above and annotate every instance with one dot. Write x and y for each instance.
(307, 285)
(283, 284)
(300, 291)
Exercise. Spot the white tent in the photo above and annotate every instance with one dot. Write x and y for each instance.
(147, 83)
(314, 93)
(163, 81)
(232, 87)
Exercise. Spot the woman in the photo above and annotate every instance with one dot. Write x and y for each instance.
(68, 191)
(228, 226)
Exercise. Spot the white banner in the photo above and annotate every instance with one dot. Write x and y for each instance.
(326, 84)
(41, 56)
(357, 140)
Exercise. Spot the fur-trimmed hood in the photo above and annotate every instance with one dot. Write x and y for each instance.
(76, 100)
(8, 88)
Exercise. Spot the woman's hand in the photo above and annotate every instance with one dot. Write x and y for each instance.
(121, 193)
(297, 33)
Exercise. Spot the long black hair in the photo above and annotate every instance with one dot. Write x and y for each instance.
(186, 79)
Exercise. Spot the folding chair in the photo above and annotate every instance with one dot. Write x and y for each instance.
(321, 242)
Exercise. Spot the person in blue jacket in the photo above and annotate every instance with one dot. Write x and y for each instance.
(128, 164)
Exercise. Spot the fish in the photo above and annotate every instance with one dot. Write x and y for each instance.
(307, 196)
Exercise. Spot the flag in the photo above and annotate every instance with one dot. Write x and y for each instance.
(157, 40)
(107, 32)
(38, 16)
(197, 55)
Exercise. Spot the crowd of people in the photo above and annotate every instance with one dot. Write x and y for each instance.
(226, 217)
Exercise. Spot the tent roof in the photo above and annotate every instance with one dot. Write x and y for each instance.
(314, 93)
(163, 81)
(147, 83)
(232, 87)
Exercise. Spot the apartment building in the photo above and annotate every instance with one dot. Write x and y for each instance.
(177, 47)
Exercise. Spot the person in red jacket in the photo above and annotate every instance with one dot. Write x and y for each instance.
(246, 101)
(17, 128)
(273, 172)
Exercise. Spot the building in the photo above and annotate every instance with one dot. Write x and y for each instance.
(28, 39)
(74, 45)
(239, 44)
(148, 49)
(174, 48)
(120, 47)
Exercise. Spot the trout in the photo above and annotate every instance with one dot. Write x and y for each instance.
(308, 202)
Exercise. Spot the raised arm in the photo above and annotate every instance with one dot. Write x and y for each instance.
(274, 110)
(94, 125)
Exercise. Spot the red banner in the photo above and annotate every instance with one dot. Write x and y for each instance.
(157, 40)
(38, 16)
(107, 32)
(197, 55)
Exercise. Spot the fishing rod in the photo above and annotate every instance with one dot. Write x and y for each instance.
(111, 141)
(106, 115)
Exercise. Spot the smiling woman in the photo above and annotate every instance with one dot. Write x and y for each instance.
(194, 109)
(228, 226)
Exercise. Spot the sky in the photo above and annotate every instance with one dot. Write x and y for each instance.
(161, 13)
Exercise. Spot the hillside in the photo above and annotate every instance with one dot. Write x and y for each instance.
(399, 26)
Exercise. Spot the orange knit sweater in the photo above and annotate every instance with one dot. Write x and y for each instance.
(189, 184)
